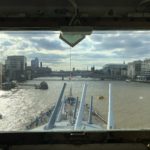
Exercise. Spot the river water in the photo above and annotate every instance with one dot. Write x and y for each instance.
(131, 102)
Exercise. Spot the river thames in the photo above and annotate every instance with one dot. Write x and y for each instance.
(131, 101)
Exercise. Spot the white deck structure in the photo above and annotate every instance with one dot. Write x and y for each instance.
(70, 115)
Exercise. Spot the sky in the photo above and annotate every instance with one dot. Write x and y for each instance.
(97, 49)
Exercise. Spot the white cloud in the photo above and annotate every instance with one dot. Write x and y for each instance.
(97, 49)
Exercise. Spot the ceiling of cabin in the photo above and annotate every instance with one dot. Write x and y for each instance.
(54, 14)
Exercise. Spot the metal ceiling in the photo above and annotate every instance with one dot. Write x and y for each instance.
(55, 14)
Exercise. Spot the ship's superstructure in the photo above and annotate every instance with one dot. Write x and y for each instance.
(70, 113)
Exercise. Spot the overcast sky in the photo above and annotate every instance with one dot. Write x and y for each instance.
(97, 49)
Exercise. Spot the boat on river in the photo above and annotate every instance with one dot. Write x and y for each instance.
(43, 86)
(72, 113)
(9, 85)
(128, 80)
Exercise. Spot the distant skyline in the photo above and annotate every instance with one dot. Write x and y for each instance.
(97, 49)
